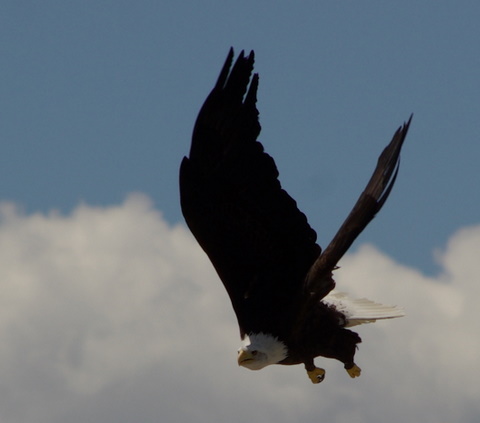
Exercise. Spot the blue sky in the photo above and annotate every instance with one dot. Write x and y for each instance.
(98, 100)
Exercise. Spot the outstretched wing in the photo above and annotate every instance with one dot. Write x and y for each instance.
(367, 206)
(258, 241)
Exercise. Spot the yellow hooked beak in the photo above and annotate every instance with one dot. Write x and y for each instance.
(244, 356)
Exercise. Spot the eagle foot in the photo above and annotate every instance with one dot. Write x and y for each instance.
(316, 375)
(354, 371)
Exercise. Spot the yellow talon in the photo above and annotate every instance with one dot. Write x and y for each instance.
(354, 371)
(316, 375)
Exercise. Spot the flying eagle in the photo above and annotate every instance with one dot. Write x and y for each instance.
(279, 281)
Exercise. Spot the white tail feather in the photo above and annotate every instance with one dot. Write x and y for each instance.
(359, 311)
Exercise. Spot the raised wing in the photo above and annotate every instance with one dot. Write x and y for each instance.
(258, 241)
(367, 206)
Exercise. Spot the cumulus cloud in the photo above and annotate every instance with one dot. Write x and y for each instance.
(110, 314)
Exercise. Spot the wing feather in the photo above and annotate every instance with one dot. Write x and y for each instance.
(369, 203)
(258, 241)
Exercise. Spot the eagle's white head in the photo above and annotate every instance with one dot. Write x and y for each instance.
(261, 350)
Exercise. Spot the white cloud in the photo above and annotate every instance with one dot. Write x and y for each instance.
(110, 314)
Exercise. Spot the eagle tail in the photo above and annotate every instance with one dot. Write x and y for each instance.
(359, 311)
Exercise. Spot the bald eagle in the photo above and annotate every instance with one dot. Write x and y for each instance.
(278, 279)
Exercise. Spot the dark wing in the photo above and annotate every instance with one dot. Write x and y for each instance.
(258, 241)
(367, 206)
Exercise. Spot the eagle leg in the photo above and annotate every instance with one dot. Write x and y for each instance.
(315, 374)
(353, 371)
